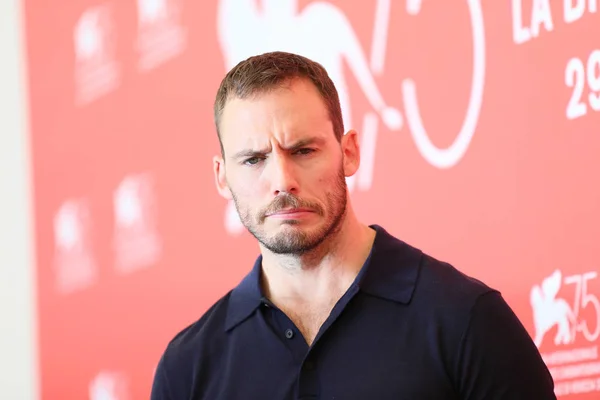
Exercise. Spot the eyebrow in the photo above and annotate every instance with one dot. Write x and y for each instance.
(248, 153)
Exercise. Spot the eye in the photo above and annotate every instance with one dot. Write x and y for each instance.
(252, 161)
(305, 151)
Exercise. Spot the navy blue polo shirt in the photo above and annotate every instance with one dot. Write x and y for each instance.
(409, 327)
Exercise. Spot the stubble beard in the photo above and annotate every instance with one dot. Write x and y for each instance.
(294, 240)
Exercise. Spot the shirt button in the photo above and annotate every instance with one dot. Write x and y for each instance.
(289, 333)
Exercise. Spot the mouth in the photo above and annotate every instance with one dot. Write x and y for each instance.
(291, 213)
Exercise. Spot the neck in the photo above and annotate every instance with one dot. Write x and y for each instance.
(325, 272)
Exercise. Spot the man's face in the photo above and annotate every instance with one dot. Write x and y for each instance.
(284, 168)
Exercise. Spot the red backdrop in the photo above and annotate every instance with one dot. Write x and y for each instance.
(487, 157)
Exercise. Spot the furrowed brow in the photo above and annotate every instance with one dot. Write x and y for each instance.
(248, 153)
(305, 142)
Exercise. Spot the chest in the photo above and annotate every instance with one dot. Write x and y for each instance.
(365, 373)
(308, 318)
(356, 357)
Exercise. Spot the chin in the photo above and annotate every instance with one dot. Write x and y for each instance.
(298, 242)
(293, 232)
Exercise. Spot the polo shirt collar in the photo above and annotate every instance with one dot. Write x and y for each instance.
(390, 272)
(246, 297)
(391, 269)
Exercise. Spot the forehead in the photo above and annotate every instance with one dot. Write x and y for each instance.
(286, 113)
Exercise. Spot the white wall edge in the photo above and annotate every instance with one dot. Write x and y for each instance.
(19, 378)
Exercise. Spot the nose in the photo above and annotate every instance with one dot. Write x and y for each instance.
(283, 175)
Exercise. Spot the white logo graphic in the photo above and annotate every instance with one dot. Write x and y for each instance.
(96, 69)
(551, 311)
(322, 32)
(152, 11)
(74, 265)
(136, 239)
(161, 37)
(109, 386)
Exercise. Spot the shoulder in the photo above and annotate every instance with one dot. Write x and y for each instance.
(402, 272)
(193, 344)
(432, 281)
(481, 332)
(210, 326)
(435, 292)
(451, 296)
(444, 281)
(442, 296)
(497, 355)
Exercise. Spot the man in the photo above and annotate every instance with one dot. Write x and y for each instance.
(333, 308)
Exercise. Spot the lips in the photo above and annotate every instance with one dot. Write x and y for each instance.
(290, 212)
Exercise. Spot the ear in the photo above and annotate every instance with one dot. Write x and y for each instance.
(220, 179)
(351, 153)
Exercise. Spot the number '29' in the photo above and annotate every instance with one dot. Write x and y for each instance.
(577, 74)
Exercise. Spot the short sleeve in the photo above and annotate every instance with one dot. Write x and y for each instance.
(497, 359)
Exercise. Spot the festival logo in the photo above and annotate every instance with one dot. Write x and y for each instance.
(96, 69)
(137, 243)
(109, 386)
(161, 35)
(566, 320)
(74, 264)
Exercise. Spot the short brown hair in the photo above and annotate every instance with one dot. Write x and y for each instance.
(261, 73)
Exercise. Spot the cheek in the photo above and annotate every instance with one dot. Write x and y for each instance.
(331, 177)
(246, 189)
